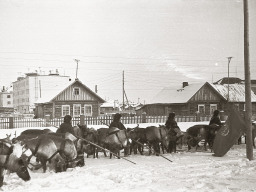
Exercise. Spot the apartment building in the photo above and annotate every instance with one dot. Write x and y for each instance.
(6, 99)
(27, 90)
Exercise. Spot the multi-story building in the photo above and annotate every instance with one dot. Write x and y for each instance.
(6, 98)
(27, 90)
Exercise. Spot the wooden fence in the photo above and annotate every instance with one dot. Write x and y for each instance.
(17, 122)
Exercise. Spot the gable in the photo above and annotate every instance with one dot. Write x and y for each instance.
(85, 94)
(66, 93)
(206, 93)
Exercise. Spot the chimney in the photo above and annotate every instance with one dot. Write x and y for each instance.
(96, 89)
(184, 84)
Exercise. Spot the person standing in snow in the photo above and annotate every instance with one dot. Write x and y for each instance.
(66, 126)
(174, 132)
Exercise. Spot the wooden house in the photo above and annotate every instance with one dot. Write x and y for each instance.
(110, 107)
(198, 98)
(74, 99)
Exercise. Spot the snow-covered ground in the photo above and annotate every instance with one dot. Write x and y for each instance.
(197, 171)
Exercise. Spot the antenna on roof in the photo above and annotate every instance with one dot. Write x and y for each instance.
(229, 59)
(76, 60)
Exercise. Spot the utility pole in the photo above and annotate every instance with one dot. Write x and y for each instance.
(229, 59)
(248, 104)
(123, 91)
(76, 60)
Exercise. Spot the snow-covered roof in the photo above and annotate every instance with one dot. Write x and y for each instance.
(176, 95)
(50, 90)
(53, 90)
(110, 103)
(182, 95)
(230, 80)
(236, 92)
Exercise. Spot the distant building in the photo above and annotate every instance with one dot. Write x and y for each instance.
(72, 99)
(202, 98)
(230, 80)
(110, 107)
(6, 98)
(6, 102)
(235, 80)
(27, 90)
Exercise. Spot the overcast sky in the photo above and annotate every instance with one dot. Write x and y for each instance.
(156, 43)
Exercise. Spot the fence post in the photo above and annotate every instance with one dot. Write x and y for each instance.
(11, 124)
(197, 116)
(82, 119)
(144, 120)
(47, 119)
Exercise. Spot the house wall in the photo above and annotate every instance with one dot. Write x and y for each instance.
(163, 109)
(204, 96)
(68, 97)
(56, 111)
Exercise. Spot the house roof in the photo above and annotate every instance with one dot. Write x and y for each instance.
(54, 91)
(230, 80)
(110, 104)
(176, 95)
(50, 90)
(236, 92)
(183, 95)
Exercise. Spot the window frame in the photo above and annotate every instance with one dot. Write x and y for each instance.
(74, 90)
(87, 105)
(213, 105)
(62, 110)
(80, 111)
(201, 105)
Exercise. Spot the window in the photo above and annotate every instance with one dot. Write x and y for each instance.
(65, 110)
(76, 110)
(9, 103)
(213, 107)
(8, 96)
(76, 91)
(201, 108)
(87, 110)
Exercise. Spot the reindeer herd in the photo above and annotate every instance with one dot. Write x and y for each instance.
(38, 149)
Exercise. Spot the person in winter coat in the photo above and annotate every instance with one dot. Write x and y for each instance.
(215, 118)
(174, 132)
(116, 126)
(171, 123)
(66, 126)
(116, 122)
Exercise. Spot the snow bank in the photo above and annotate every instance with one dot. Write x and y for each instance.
(198, 171)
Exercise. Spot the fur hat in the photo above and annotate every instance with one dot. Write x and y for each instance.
(67, 119)
(117, 117)
(171, 115)
(216, 112)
